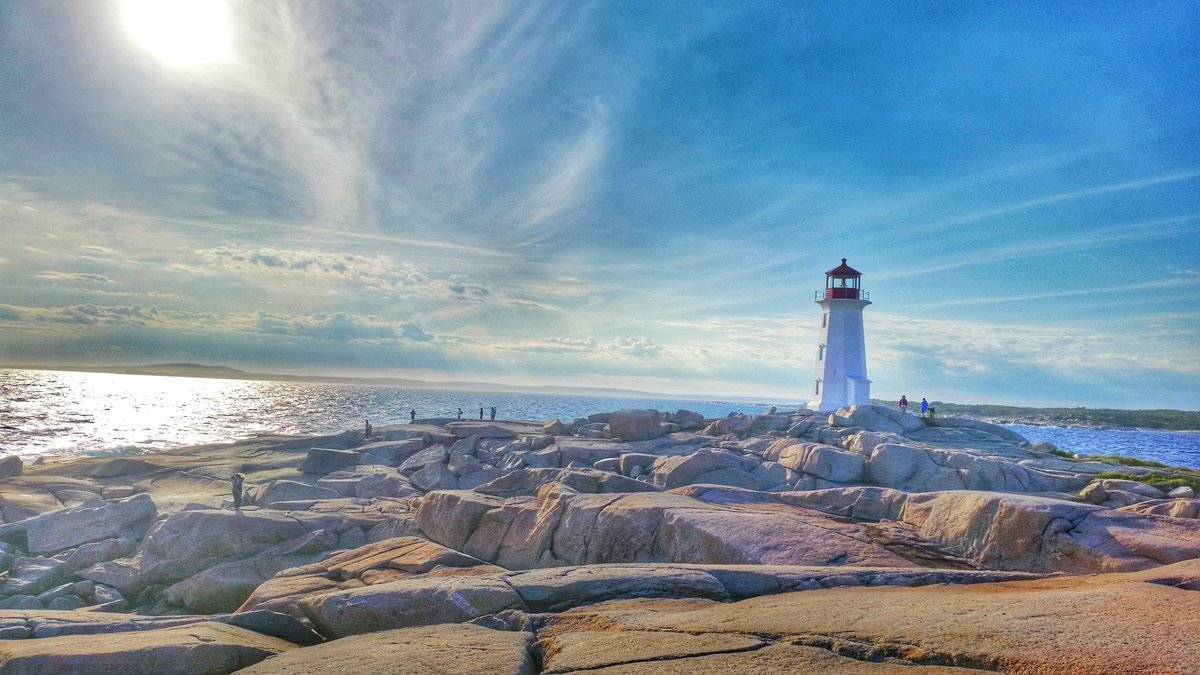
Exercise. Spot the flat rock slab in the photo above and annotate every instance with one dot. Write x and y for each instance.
(412, 602)
(206, 647)
(1134, 622)
(589, 650)
(59, 530)
(448, 648)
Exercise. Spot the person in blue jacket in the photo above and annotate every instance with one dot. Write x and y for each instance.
(924, 407)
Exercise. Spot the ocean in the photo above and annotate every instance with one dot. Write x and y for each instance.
(46, 412)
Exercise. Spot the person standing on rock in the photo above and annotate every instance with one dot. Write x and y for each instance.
(480, 413)
(924, 407)
(493, 413)
(412, 416)
(903, 403)
(237, 479)
(367, 429)
(460, 413)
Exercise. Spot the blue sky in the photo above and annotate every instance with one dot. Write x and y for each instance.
(613, 194)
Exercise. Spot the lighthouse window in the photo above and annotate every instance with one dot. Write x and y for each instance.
(817, 388)
(824, 320)
(820, 352)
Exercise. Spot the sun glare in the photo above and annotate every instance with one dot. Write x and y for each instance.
(179, 32)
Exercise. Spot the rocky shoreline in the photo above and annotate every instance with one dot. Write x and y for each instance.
(632, 541)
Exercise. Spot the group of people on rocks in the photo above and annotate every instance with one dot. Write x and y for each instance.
(926, 409)
(412, 416)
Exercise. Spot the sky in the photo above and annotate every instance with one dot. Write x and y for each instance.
(618, 194)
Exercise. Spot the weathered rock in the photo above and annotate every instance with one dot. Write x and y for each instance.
(1133, 486)
(66, 602)
(635, 425)
(446, 648)
(59, 530)
(190, 541)
(10, 465)
(987, 427)
(482, 477)
(206, 647)
(289, 491)
(437, 454)
(1023, 532)
(729, 477)
(859, 503)
(1032, 626)
(449, 517)
(483, 429)
(1182, 492)
(413, 602)
(21, 602)
(528, 481)
(435, 477)
(1175, 508)
(876, 418)
(916, 469)
(393, 451)
(327, 460)
(1094, 493)
(772, 475)
(461, 465)
(688, 420)
(823, 461)
(673, 472)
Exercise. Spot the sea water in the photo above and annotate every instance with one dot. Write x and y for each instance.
(68, 413)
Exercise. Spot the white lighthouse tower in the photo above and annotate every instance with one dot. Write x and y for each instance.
(841, 348)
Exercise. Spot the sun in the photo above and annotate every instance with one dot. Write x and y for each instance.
(179, 32)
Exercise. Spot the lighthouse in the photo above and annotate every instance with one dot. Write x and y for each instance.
(841, 345)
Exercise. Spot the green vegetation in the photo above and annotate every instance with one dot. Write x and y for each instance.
(1062, 453)
(1166, 482)
(1169, 420)
(1124, 461)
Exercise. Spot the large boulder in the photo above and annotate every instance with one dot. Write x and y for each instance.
(190, 541)
(915, 469)
(435, 476)
(687, 420)
(327, 460)
(1025, 532)
(680, 470)
(412, 602)
(437, 454)
(33, 575)
(876, 418)
(291, 491)
(823, 461)
(10, 465)
(224, 587)
(68, 528)
(393, 451)
(635, 425)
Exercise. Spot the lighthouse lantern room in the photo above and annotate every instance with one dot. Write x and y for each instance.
(841, 346)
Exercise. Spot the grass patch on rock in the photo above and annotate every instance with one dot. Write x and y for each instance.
(1166, 483)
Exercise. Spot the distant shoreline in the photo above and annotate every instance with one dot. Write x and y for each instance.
(1066, 417)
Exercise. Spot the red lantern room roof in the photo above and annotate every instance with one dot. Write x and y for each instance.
(843, 271)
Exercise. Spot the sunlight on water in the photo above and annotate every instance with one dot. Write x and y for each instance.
(50, 412)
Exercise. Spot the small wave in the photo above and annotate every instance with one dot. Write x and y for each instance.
(116, 451)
